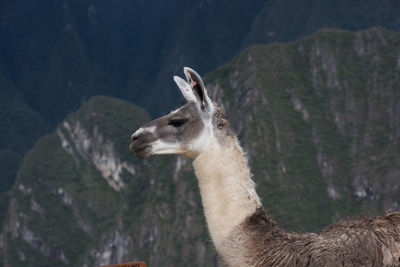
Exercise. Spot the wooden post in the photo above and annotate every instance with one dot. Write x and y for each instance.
(128, 264)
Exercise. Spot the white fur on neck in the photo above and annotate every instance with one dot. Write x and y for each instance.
(227, 191)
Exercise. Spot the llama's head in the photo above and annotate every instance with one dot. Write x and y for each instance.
(185, 131)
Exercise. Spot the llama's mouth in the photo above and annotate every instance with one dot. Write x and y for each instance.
(142, 152)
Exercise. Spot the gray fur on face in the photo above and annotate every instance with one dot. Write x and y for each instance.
(180, 126)
(192, 125)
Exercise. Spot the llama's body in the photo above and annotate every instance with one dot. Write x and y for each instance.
(365, 241)
(241, 231)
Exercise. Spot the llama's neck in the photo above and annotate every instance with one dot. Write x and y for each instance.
(227, 191)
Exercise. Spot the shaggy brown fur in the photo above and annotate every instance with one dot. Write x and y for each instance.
(363, 241)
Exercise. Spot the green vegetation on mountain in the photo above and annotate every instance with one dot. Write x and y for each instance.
(318, 118)
(82, 198)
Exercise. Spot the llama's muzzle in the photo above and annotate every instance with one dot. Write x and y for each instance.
(141, 143)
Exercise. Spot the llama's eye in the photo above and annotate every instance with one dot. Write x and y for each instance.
(177, 122)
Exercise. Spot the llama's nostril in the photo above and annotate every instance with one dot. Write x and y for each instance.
(134, 137)
(136, 134)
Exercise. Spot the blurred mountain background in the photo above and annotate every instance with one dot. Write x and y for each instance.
(318, 117)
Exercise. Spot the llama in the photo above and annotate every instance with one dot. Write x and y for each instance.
(242, 232)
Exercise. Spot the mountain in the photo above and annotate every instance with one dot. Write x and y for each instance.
(318, 118)
(20, 128)
(286, 20)
(58, 54)
(83, 199)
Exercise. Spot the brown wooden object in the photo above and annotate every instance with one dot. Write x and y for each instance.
(128, 264)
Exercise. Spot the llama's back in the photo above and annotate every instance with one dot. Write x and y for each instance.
(362, 241)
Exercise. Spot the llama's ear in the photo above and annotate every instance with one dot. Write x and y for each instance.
(185, 88)
(198, 89)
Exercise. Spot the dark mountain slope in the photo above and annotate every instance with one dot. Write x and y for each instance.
(60, 53)
(282, 21)
(55, 55)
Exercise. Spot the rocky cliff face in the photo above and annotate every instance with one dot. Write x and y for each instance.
(83, 199)
(317, 117)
